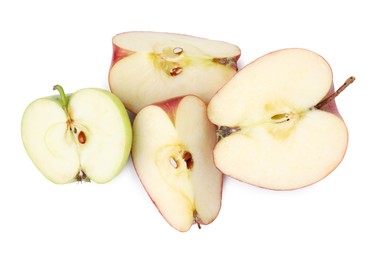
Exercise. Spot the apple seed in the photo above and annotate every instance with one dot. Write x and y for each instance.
(173, 163)
(187, 157)
(280, 118)
(81, 137)
(176, 71)
(178, 50)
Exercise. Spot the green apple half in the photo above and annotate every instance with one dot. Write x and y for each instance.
(274, 134)
(83, 136)
(172, 153)
(150, 67)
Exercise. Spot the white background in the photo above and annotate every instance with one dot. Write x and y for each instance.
(69, 42)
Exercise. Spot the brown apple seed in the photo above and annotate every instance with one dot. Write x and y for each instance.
(81, 137)
(176, 71)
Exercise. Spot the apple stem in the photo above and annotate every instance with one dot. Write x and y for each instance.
(63, 99)
(196, 219)
(335, 94)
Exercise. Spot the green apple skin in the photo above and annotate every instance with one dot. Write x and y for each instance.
(58, 102)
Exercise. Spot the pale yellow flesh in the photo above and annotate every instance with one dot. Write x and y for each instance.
(312, 149)
(178, 192)
(269, 151)
(44, 134)
(139, 80)
(56, 150)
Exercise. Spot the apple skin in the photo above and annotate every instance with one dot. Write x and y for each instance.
(118, 54)
(170, 107)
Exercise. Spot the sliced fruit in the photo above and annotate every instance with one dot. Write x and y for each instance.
(149, 67)
(172, 154)
(83, 136)
(272, 134)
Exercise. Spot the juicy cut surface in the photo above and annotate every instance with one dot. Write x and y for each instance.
(280, 140)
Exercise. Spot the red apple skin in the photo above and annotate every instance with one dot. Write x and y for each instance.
(118, 54)
(170, 106)
(331, 107)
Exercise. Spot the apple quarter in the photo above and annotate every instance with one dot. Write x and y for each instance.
(150, 67)
(172, 155)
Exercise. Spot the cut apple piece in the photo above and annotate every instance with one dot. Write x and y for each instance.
(272, 134)
(149, 67)
(172, 154)
(83, 136)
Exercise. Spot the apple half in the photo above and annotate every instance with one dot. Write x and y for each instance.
(273, 132)
(149, 67)
(79, 137)
(172, 154)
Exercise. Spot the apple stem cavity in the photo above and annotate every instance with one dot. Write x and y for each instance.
(336, 93)
(225, 131)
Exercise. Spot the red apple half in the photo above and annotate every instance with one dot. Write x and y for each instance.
(273, 133)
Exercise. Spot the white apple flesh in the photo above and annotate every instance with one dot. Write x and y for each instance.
(149, 67)
(172, 154)
(273, 134)
(83, 136)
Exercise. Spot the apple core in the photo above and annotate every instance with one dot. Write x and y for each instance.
(171, 60)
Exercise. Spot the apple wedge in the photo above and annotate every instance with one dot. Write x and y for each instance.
(172, 155)
(149, 67)
(274, 131)
(79, 137)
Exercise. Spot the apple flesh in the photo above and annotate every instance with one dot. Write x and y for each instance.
(149, 67)
(273, 134)
(172, 155)
(80, 137)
